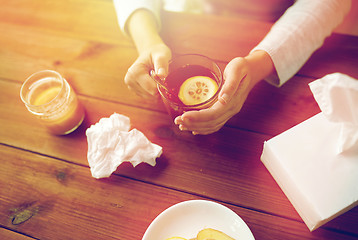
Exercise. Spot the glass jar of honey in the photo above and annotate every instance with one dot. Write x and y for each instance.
(49, 97)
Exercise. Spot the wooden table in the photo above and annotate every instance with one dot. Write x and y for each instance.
(46, 189)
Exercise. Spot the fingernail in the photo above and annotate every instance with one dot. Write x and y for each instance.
(161, 72)
(178, 120)
(182, 128)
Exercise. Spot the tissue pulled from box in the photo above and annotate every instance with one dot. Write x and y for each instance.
(110, 143)
(337, 97)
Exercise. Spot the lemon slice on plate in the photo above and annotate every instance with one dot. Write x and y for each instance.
(196, 90)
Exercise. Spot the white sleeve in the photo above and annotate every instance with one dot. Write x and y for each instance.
(300, 31)
(125, 8)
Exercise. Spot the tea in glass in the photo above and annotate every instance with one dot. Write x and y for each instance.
(193, 83)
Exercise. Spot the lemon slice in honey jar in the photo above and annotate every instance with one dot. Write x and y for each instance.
(196, 90)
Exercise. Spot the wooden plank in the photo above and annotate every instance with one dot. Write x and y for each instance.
(89, 48)
(242, 179)
(89, 62)
(271, 110)
(219, 37)
(338, 54)
(52, 199)
(263, 10)
(92, 20)
(8, 234)
(156, 126)
(233, 36)
(224, 38)
(268, 109)
(86, 65)
(89, 51)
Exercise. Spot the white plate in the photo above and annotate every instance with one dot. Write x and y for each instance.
(187, 218)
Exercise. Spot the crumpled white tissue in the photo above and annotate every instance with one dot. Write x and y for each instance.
(337, 97)
(110, 143)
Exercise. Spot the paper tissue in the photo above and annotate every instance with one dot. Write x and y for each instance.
(110, 143)
(337, 97)
(316, 162)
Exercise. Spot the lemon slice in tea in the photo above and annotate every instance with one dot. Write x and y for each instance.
(196, 90)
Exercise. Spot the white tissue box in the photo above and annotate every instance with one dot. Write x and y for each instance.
(319, 183)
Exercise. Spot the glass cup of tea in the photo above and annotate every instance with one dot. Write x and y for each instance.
(193, 83)
(49, 97)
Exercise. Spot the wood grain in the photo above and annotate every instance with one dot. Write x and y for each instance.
(224, 38)
(46, 190)
(59, 204)
(235, 152)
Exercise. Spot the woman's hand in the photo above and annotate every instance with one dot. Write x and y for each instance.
(240, 75)
(138, 78)
(153, 53)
